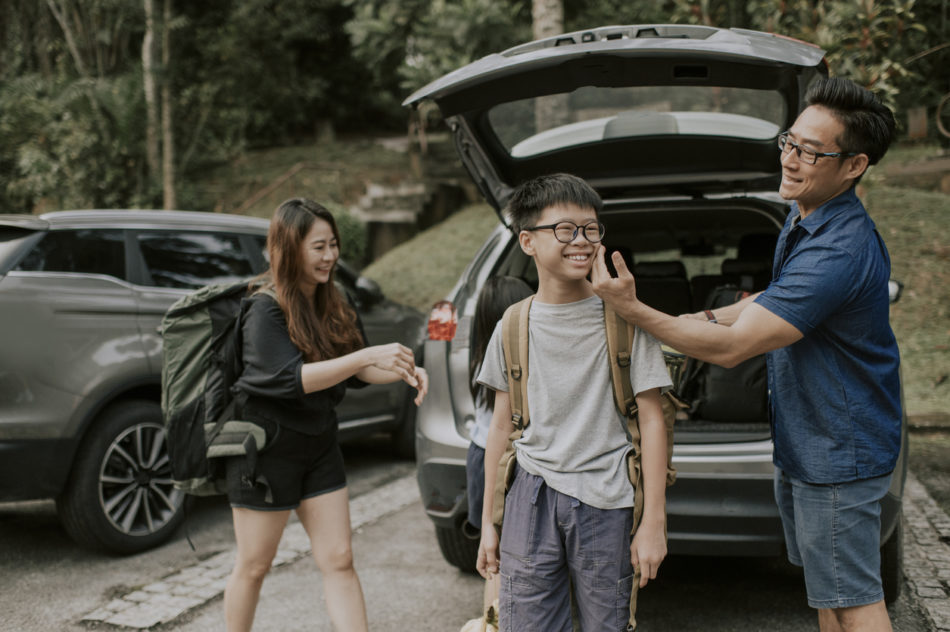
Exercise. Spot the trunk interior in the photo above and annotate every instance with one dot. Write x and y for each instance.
(688, 256)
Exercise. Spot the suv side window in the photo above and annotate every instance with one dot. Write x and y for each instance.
(190, 260)
(87, 251)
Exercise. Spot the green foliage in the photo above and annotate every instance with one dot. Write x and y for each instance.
(352, 234)
(417, 41)
(582, 14)
(73, 143)
(867, 40)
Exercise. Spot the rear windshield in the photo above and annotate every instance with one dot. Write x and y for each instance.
(591, 114)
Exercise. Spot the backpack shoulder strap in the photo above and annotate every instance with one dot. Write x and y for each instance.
(514, 340)
(619, 343)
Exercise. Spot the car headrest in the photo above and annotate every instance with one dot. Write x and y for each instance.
(660, 269)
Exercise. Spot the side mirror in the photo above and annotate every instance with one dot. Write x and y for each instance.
(894, 289)
(368, 292)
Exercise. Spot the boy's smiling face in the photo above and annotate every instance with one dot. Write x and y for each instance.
(562, 261)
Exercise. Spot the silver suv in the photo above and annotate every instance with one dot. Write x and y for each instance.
(676, 127)
(81, 296)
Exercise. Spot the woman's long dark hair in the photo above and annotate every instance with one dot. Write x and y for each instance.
(496, 295)
(322, 326)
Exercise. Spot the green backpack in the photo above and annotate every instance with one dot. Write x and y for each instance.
(619, 341)
(201, 361)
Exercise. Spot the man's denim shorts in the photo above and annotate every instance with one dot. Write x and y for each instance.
(834, 533)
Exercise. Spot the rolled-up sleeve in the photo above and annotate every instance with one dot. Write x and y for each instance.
(272, 363)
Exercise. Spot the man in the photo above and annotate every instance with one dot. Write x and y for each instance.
(832, 357)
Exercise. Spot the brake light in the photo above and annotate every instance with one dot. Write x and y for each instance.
(443, 321)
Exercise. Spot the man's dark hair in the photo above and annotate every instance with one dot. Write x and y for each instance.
(531, 198)
(868, 123)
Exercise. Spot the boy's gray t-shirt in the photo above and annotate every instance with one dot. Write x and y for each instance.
(576, 439)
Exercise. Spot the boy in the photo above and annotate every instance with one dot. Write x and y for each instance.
(568, 513)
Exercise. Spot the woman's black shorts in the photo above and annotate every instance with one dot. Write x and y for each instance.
(293, 467)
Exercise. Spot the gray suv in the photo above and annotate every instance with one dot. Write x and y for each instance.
(82, 294)
(676, 127)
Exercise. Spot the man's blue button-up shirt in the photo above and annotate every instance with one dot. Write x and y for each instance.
(835, 394)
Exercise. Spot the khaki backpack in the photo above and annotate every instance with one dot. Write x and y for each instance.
(619, 343)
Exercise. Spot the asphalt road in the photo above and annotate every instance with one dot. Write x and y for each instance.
(48, 583)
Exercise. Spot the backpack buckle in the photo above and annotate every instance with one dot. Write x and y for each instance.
(632, 409)
(516, 421)
(516, 372)
(623, 358)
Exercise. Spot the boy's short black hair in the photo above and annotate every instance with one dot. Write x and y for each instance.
(531, 198)
(868, 123)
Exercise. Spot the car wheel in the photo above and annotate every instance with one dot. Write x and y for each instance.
(892, 564)
(459, 548)
(120, 496)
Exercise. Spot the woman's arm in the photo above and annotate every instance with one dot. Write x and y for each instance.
(380, 364)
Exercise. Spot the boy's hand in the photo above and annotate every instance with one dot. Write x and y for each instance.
(648, 550)
(487, 563)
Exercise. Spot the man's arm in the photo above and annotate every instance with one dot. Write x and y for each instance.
(725, 315)
(648, 548)
(754, 331)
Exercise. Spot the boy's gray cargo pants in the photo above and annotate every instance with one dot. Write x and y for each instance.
(551, 541)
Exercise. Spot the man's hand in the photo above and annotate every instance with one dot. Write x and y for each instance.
(648, 550)
(618, 292)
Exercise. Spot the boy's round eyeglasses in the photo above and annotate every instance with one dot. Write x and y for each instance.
(808, 156)
(566, 232)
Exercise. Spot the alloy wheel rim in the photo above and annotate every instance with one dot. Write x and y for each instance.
(136, 493)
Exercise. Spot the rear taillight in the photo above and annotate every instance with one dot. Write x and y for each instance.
(443, 321)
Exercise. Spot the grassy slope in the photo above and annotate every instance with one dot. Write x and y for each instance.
(915, 227)
(422, 270)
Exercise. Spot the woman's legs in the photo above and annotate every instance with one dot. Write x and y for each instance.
(258, 534)
(327, 520)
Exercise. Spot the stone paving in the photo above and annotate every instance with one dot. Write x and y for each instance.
(926, 561)
(173, 595)
(927, 553)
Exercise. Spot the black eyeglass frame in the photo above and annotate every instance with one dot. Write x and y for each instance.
(784, 141)
(553, 227)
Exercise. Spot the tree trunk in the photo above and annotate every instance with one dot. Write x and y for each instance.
(149, 80)
(547, 17)
(60, 14)
(168, 134)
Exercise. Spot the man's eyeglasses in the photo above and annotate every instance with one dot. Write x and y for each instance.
(808, 156)
(566, 232)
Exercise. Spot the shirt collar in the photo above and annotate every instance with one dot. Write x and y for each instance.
(824, 213)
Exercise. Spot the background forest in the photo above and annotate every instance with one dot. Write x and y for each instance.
(113, 103)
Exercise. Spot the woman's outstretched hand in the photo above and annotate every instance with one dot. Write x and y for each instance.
(421, 384)
(396, 358)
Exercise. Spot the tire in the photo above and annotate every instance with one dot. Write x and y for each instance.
(120, 497)
(458, 549)
(892, 563)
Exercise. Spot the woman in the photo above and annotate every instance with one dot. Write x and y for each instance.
(302, 346)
